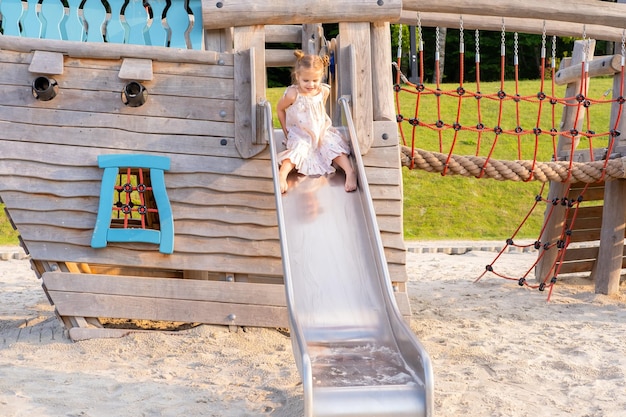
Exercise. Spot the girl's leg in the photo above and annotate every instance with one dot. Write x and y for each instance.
(344, 163)
(286, 167)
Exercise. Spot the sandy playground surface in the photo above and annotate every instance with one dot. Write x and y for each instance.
(497, 350)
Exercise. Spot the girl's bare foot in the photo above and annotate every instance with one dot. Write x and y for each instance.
(283, 173)
(283, 185)
(350, 181)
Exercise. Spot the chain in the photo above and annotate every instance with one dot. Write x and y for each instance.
(553, 51)
(543, 41)
(515, 48)
(585, 49)
(419, 32)
(437, 40)
(399, 55)
(477, 37)
(461, 37)
(503, 40)
(623, 46)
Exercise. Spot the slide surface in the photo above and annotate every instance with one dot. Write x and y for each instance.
(356, 354)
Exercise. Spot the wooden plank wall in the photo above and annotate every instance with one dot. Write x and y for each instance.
(223, 205)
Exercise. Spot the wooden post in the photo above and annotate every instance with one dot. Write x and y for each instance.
(611, 252)
(355, 79)
(382, 77)
(553, 222)
(249, 45)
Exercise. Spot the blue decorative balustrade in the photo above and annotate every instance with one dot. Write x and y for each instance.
(169, 23)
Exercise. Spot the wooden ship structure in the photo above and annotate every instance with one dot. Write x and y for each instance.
(135, 165)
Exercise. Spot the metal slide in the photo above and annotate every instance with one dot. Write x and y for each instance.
(356, 355)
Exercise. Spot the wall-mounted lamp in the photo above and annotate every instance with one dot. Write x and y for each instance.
(45, 88)
(134, 94)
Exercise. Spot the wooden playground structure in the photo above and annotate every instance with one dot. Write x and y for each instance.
(162, 117)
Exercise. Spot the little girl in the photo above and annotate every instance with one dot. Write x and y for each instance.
(312, 143)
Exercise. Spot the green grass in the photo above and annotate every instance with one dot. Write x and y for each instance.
(453, 207)
(8, 236)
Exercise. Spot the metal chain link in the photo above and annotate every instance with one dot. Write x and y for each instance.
(503, 40)
(543, 41)
(419, 32)
(623, 46)
(461, 36)
(399, 55)
(477, 37)
(437, 46)
(553, 51)
(515, 48)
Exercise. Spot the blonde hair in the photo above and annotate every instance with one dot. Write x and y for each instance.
(309, 61)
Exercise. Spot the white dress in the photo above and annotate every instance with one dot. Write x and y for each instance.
(312, 142)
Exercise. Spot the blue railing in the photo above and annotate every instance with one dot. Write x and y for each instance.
(170, 23)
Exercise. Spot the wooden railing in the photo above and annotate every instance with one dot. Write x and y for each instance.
(169, 23)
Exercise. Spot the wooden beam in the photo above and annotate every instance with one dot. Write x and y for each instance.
(554, 216)
(579, 11)
(355, 78)
(217, 14)
(511, 24)
(606, 65)
(249, 43)
(112, 50)
(609, 265)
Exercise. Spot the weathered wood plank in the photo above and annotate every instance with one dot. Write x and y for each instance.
(114, 306)
(389, 224)
(575, 11)
(107, 79)
(386, 134)
(283, 34)
(117, 254)
(81, 164)
(212, 182)
(233, 241)
(285, 12)
(196, 108)
(33, 120)
(388, 207)
(513, 24)
(611, 251)
(383, 176)
(386, 192)
(393, 242)
(605, 65)
(382, 83)
(78, 334)
(398, 273)
(250, 81)
(169, 288)
(223, 69)
(586, 212)
(578, 254)
(106, 140)
(576, 267)
(584, 235)
(111, 50)
(355, 48)
(382, 157)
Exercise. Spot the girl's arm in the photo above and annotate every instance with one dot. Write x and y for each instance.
(281, 107)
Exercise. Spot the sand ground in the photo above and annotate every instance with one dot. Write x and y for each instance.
(497, 349)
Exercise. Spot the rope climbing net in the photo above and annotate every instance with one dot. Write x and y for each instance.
(489, 119)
